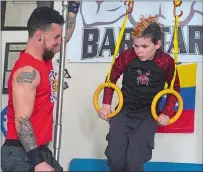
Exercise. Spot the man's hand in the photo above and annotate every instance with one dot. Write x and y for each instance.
(163, 120)
(104, 111)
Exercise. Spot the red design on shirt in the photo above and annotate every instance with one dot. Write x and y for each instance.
(143, 79)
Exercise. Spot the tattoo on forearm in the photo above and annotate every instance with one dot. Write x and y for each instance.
(26, 134)
(70, 22)
(27, 77)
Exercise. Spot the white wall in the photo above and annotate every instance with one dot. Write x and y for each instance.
(84, 134)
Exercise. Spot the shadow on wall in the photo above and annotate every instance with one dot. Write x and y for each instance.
(93, 128)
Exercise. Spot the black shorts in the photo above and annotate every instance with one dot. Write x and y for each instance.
(14, 158)
(130, 142)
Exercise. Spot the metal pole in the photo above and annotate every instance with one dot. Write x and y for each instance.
(58, 125)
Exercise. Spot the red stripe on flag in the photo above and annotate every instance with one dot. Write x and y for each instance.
(185, 124)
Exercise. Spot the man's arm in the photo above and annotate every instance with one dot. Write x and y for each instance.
(24, 84)
(171, 99)
(73, 8)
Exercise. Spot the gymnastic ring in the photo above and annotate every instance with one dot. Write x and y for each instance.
(180, 104)
(120, 96)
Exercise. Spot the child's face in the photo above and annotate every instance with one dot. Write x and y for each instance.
(145, 48)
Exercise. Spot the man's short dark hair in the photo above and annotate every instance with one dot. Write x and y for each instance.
(42, 18)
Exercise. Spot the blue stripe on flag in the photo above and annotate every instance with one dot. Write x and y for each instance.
(188, 96)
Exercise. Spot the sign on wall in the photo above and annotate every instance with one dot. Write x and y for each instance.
(15, 17)
(97, 29)
(12, 53)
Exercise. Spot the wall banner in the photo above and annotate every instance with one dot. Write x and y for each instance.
(97, 29)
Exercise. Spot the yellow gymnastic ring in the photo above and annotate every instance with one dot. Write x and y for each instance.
(120, 96)
(180, 104)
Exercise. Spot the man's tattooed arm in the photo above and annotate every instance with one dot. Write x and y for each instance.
(24, 84)
(71, 19)
(73, 8)
(27, 77)
(26, 134)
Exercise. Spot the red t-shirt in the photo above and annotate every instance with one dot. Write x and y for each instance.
(42, 116)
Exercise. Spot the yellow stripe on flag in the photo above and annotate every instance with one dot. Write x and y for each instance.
(187, 75)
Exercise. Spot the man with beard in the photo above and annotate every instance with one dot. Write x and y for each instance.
(31, 94)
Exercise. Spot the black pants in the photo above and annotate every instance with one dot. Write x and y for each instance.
(14, 158)
(130, 142)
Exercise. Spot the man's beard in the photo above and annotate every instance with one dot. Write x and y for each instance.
(48, 55)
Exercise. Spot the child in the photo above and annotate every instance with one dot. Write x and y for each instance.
(146, 69)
